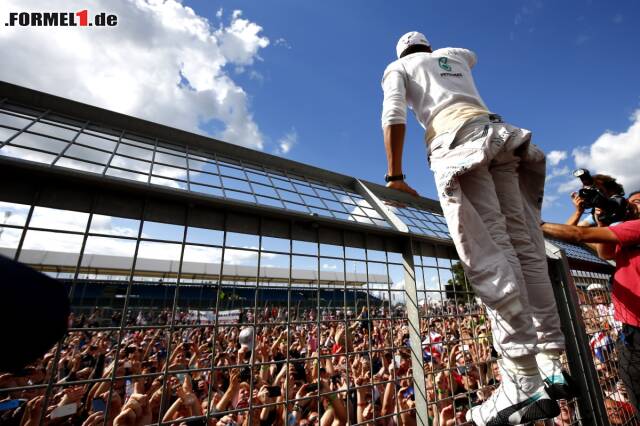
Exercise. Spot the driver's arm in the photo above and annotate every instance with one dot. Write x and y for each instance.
(393, 145)
(394, 118)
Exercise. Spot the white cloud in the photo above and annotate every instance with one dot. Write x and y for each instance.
(557, 172)
(241, 40)
(569, 186)
(287, 142)
(549, 200)
(560, 171)
(614, 154)
(555, 157)
(282, 42)
(526, 11)
(611, 153)
(255, 75)
(162, 62)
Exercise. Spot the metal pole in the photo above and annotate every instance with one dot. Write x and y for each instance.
(590, 400)
(415, 338)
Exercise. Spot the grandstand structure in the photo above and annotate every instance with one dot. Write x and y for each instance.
(138, 218)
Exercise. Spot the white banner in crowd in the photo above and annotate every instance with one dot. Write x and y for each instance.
(209, 317)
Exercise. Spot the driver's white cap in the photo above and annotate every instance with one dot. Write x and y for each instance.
(409, 39)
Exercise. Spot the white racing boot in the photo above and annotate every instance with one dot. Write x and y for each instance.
(558, 383)
(519, 399)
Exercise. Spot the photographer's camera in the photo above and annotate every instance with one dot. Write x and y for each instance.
(613, 208)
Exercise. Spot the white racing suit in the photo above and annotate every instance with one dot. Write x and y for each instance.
(490, 181)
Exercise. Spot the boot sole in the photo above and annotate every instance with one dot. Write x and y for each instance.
(542, 409)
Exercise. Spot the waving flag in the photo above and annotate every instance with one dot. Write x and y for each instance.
(433, 346)
(602, 345)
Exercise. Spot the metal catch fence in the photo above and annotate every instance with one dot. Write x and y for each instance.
(231, 287)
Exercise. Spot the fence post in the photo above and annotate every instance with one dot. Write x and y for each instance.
(411, 301)
(415, 338)
(590, 400)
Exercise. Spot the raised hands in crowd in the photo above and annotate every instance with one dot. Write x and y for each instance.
(286, 368)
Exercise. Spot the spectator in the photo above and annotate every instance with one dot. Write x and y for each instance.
(621, 242)
(198, 374)
(607, 185)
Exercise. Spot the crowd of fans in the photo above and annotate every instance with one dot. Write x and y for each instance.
(603, 331)
(272, 367)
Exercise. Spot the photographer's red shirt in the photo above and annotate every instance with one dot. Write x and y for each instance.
(626, 280)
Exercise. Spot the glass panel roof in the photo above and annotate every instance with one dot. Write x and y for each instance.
(578, 252)
(160, 163)
(420, 221)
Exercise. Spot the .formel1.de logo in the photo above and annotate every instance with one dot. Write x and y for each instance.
(80, 18)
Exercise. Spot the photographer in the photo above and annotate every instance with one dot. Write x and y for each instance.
(607, 185)
(622, 243)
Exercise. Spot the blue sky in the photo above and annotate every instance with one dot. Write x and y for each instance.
(565, 70)
(302, 78)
